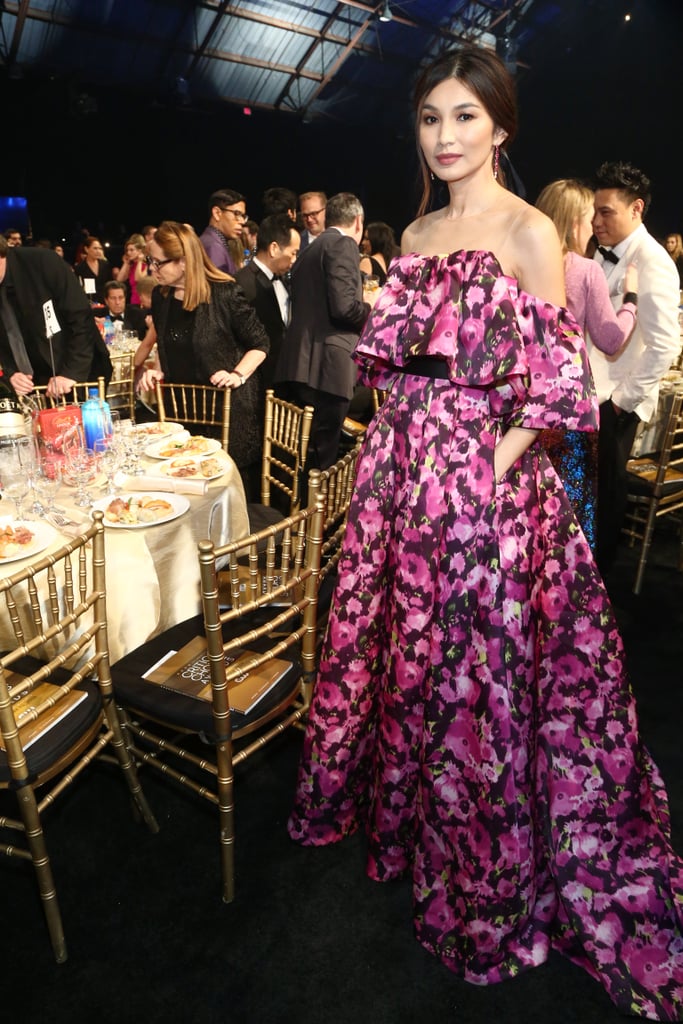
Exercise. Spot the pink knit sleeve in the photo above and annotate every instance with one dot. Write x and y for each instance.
(608, 330)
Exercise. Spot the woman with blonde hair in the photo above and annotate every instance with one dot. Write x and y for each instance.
(674, 246)
(569, 204)
(207, 333)
(133, 267)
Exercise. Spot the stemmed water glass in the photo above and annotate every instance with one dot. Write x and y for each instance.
(110, 459)
(81, 464)
(16, 471)
(47, 479)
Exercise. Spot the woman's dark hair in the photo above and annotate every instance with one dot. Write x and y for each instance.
(484, 74)
(382, 240)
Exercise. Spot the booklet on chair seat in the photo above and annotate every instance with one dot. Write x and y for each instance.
(187, 671)
(25, 706)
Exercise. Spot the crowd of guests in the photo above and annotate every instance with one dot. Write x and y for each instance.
(302, 314)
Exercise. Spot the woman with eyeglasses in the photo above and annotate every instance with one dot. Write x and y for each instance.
(207, 333)
(227, 217)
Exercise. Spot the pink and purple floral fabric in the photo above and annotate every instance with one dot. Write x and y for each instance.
(472, 711)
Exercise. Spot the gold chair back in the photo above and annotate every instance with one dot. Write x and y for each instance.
(195, 405)
(56, 702)
(286, 435)
(120, 392)
(272, 580)
(78, 394)
(655, 488)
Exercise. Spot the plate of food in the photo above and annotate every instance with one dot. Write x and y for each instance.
(194, 467)
(182, 444)
(155, 431)
(22, 539)
(139, 510)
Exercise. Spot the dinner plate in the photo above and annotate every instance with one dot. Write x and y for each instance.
(178, 444)
(192, 464)
(178, 502)
(154, 431)
(43, 536)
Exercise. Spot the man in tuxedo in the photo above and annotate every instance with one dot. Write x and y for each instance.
(328, 312)
(131, 318)
(40, 295)
(312, 209)
(262, 281)
(627, 383)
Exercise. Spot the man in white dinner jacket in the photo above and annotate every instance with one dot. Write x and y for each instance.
(627, 383)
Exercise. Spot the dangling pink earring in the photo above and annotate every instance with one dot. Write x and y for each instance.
(496, 161)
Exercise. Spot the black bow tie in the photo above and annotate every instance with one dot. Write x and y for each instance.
(608, 254)
(116, 316)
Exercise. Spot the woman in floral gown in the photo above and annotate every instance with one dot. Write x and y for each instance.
(472, 712)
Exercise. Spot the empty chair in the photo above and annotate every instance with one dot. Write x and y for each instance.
(120, 391)
(286, 433)
(56, 707)
(78, 394)
(241, 675)
(655, 487)
(199, 405)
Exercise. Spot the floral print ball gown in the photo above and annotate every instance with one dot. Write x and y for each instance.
(471, 710)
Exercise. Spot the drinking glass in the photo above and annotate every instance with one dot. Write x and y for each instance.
(81, 464)
(109, 459)
(16, 484)
(47, 479)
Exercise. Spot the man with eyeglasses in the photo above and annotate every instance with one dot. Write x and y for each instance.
(227, 217)
(312, 206)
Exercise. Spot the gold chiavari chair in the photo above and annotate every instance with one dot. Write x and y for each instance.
(190, 717)
(655, 488)
(286, 434)
(57, 713)
(198, 405)
(120, 392)
(78, 394)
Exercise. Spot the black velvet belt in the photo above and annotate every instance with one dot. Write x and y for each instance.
(427, 366)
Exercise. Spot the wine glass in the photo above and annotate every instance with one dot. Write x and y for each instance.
(109, 459)
(16, 484)
(81, 464)
(47, 479)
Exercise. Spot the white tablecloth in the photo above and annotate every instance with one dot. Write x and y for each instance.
(153, 572)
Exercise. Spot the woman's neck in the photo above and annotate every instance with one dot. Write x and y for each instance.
(472, 198)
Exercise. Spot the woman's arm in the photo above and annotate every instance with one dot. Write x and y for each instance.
(608, 330)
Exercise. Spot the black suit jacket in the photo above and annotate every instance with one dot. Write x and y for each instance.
(258, 288)
(328, 314)
(32, 277)
(133, 320)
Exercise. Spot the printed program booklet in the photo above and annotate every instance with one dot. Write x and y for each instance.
(32, 729)
(187, 671)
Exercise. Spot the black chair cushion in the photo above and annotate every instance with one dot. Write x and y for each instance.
(641, 485)
(177, 709)
(53, 744)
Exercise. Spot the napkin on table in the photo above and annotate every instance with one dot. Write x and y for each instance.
(176, 485)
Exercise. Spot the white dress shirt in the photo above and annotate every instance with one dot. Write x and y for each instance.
(631, 377)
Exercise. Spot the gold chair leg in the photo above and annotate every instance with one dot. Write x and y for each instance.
(41, 863)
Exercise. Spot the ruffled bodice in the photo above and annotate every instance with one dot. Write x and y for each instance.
(463, 309)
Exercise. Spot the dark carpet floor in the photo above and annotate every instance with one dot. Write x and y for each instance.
(309, 938)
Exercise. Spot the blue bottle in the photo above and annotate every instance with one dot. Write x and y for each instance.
(96, 417)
